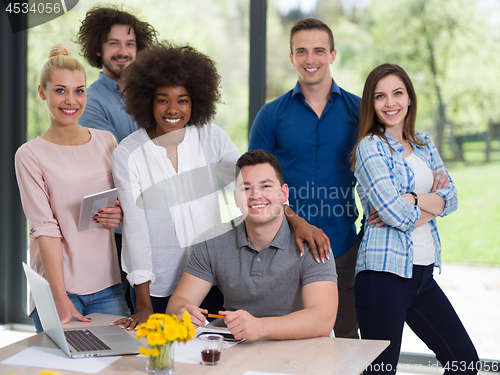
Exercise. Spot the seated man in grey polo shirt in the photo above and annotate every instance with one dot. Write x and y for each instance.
(270, 291)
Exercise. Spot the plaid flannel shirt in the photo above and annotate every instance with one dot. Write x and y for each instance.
(382, 178)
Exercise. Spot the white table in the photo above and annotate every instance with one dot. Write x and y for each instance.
(310, 356)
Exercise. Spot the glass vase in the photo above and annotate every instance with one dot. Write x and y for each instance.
(163, 363)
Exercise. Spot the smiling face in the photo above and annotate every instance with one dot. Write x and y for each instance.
(391, 102)
(312, 57)
(118, 51)
(259, 194)
(171, 107)
(65, 96)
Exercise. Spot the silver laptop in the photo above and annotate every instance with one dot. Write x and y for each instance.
(77, 342)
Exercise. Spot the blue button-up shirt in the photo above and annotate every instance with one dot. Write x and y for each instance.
(105, 110)
(384, 175)
(314, 155)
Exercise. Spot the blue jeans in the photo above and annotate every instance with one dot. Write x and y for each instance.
(385, 301)
(107, 301)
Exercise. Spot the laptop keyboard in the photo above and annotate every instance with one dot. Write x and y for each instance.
(84, 341)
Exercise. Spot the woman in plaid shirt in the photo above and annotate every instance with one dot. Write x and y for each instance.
(403, 184)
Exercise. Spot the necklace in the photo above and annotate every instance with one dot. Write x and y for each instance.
(156, 141)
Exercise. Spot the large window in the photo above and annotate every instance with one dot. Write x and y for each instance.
(450, 49)
(219, 28)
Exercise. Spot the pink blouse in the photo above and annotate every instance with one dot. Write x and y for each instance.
(52, 181)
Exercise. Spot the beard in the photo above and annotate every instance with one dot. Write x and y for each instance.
(116, 71)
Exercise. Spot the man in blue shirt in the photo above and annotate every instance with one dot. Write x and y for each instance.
(110, 40)
(312, 130)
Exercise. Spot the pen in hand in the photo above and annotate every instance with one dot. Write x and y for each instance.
(216, 316)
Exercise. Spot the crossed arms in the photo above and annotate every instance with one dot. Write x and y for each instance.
(380, 186)
(430, 204)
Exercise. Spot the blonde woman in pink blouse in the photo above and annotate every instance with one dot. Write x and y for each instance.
(54, 171)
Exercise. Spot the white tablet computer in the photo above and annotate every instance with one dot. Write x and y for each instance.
(93, 203)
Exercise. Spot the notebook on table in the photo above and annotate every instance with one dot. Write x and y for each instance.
(77, 342)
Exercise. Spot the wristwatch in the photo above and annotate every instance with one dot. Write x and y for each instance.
(414, 197)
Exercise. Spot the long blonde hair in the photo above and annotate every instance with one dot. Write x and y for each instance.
(59, 58)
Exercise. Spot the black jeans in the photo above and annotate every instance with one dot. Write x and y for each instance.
(346, 325)
(123, 274)
(385, 301)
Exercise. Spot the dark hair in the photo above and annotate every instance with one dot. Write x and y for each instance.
(255, 157)
(167, 64)
(97, 24)
(369, 123)
(311, 24)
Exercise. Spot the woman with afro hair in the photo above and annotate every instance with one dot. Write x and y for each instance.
(166, 172)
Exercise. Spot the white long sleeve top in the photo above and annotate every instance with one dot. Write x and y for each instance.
(167, 211)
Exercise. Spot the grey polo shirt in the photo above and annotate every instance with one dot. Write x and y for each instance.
(265, 283)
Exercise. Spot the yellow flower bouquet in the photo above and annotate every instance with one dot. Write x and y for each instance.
(161, 331)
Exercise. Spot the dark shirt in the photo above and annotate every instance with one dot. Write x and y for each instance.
(314, 154)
